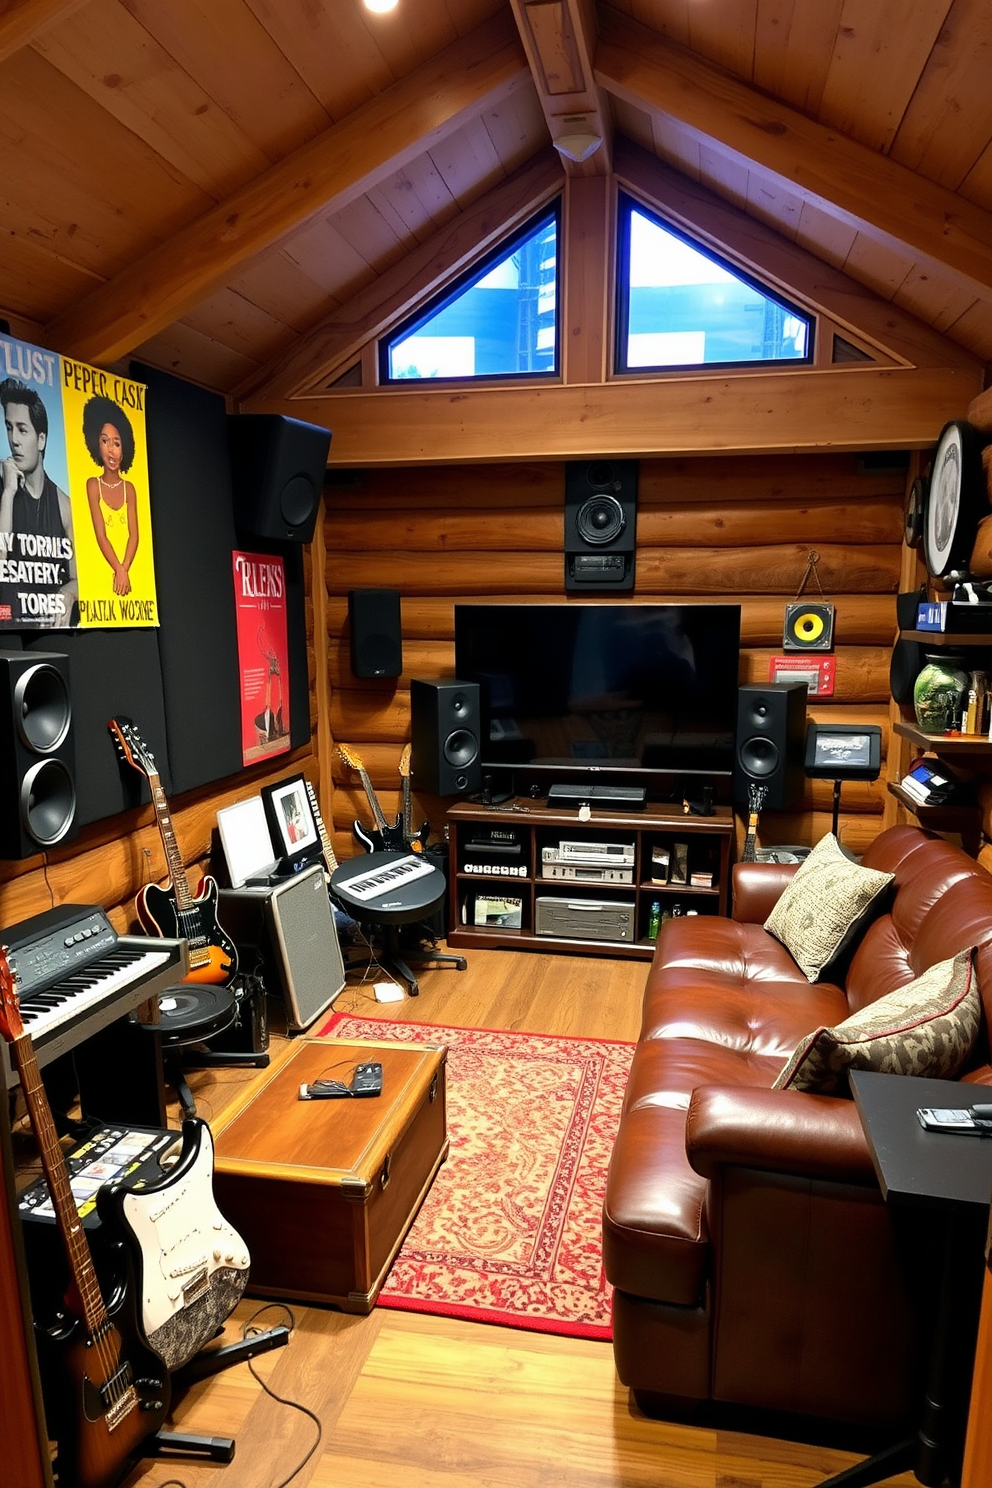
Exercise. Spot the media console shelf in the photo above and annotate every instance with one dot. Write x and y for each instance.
(501, 859)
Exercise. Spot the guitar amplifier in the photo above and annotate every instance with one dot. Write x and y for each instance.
(291, 928)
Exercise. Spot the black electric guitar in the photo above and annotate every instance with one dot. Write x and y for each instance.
(755, 800)
(112, 1390)
(384, 838)
(415, 841)
(326, 850)
(175, 912)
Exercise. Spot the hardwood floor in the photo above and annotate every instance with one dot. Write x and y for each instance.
(405, 1398)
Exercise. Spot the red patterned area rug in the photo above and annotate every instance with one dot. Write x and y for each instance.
(510, 1231)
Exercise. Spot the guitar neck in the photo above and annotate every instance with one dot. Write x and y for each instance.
(53, 1163)
(330, 861)
(173, 858)
(407, 809)
(373, 801)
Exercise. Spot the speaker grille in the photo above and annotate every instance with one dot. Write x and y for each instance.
(461, 748)
(48, 801)
(42, 709)
(600, 520)
(305, 947)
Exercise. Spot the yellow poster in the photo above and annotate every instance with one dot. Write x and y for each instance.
(107, 459)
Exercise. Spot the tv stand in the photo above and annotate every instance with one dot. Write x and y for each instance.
(511, 885)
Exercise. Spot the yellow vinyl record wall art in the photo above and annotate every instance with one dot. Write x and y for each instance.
(75, 520)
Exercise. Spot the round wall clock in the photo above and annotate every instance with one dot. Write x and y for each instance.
(915, 512)
(955, 500)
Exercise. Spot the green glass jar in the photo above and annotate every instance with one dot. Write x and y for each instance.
(940, 693)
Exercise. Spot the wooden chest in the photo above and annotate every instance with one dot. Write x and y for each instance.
(323, 1191)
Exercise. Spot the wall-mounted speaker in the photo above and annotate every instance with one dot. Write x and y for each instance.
(771, 742)
(277, 468)
(291, 929)
(600, 525)
(376, 633)
(37, 753)
(445, 737)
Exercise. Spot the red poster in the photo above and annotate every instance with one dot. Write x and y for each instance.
(263, 655)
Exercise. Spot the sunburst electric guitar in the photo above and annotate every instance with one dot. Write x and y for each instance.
(384, 838)
(176, 912)
(415, 841)
(111, 1389)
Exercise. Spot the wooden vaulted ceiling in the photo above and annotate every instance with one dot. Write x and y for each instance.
(214, 185)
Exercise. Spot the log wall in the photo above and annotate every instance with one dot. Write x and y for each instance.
(708, 529)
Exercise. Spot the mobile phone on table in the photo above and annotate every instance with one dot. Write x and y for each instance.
(950, 1119)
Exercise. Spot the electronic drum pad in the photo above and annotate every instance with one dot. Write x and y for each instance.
(189, 1013)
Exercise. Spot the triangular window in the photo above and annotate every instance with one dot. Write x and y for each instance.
(680, 305)
(499, 320)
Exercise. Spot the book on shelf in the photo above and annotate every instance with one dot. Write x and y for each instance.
(504, 912)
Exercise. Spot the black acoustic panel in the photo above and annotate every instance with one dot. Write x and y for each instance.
(376, 632)
(37, 753)
(771, 742)
(112, 672)
(193, 526)
(277, 466)
(445, 735)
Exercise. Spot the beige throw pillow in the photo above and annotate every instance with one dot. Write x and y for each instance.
(827, 903)
(925, 1028)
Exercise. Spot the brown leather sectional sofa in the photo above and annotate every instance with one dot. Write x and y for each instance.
(745, 1235)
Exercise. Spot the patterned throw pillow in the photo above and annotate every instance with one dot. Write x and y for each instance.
(925, 1028)
(824, 907)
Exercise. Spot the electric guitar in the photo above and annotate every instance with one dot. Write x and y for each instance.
(755, 800)
(327, 851)
(110, 1389)
(175, 912)
(385, 838)
(416, 842)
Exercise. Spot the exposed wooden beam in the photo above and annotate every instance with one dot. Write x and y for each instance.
(849, 408)
(327, 347)
(873, 193)
(559, 37)
(339, 165)
(23, 20)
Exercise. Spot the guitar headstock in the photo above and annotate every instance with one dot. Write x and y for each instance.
(756, 797)
(11, 1026)
(350, 757)
(131, 747)
(404, 765)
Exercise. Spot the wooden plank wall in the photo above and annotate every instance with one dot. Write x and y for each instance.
(716, 528)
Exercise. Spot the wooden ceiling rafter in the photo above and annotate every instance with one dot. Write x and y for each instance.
(327, 351)
(887, 202)
(559, 38)
(21, 22)
(338, 166)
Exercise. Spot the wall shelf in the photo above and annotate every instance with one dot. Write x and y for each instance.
(948, 745)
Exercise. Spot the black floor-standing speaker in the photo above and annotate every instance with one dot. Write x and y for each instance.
(771, 742)
(37, 753)
(444, 733)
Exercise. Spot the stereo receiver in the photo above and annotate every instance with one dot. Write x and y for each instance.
(585, 919)
(588, 872)
(590, 852)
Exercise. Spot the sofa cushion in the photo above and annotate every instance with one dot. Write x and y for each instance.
(925, 1028)
(826, 906)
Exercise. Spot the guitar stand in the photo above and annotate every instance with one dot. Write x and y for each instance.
(213, 1448)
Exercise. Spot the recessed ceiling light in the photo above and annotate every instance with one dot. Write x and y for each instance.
(380, 7)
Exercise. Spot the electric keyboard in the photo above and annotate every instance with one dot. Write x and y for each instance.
(75, 974)
(372, 883)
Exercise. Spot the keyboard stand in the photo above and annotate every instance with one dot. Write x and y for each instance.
(409, 902)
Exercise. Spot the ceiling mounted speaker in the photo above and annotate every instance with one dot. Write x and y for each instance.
(600, 525)
(278, 466)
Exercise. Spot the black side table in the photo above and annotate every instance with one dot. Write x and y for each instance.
(400, 901)
(950, 1175)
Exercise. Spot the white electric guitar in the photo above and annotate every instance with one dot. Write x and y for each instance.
(191, 1265)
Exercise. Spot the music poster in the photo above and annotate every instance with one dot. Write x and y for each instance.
(263, 655)
(75, 505)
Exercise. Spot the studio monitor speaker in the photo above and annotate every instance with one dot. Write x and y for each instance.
(37, 753)
(600, 525)
(292, 928)
(376, 633)
(277, 468)
(445, 737)
(771, 742)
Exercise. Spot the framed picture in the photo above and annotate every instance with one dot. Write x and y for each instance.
(291, 823)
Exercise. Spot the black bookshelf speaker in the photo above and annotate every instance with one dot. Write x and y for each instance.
(445, 737)
(277, 468)
(600, 525)
(37, 753)
(376, 632)
(771, 742)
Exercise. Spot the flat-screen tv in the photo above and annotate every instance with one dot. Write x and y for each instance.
(620, 688)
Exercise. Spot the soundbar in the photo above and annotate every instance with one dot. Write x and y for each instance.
(626, 797)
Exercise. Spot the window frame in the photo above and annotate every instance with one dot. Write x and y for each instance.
(440, 301)
(628, 204)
